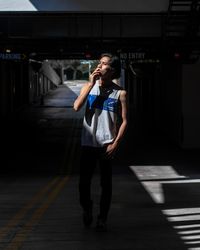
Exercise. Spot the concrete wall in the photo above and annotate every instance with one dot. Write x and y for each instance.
(50, 73)
(191, 105)
(170, 94)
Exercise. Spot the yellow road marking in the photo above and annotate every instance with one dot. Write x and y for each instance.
(22, 212)
(19, 238)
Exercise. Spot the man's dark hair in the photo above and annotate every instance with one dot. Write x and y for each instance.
(115, 64)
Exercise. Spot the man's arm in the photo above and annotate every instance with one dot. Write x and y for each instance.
(80, 100)
(85, 90)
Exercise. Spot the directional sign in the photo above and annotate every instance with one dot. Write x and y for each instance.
(12, 56)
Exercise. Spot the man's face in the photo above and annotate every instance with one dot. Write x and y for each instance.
(104, 67)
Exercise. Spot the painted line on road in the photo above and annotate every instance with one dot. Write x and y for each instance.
(21, 235)
(23, 211)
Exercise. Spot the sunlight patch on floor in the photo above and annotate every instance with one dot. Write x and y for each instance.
(167, 187)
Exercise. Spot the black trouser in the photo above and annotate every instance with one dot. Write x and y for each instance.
(89, 159)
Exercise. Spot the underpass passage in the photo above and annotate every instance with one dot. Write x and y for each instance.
(39, 195)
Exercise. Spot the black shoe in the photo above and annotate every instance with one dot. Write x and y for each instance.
(101, 225)
(87, 218)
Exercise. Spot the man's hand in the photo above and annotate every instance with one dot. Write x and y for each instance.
(94, 76)
(111, 149)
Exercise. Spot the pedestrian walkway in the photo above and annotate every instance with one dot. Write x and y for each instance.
(156, 188)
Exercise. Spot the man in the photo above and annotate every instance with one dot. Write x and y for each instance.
(104, 126)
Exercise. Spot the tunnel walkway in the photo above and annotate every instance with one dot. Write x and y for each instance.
(156, 188)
